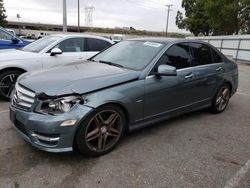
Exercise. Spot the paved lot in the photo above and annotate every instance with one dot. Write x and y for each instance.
(195, 150)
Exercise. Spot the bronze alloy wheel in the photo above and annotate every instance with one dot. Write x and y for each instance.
(103, 130)
(101, 133)
(222, 98)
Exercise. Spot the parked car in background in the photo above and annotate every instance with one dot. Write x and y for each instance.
(50, 51)
(11, 31)
(130, 85)
(42, 34)
(107, 37)
(9, 40)
(117, 37)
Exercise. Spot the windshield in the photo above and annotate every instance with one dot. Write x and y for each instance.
(130, 54)
(40, 44)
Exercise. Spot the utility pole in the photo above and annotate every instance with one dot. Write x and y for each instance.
(18, 17)
(168, 10)
(79, 16)
(64, 16)
(89, 15)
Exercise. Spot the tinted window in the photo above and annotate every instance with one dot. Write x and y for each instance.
(72, 45)
(4, 36)
(201, 54)
(178, 56)
(96, 44)
(216, 56)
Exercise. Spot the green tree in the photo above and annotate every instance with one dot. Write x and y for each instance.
(223, 16)
(3, 16)
(215, 17)
(196, 20)
(244, 17)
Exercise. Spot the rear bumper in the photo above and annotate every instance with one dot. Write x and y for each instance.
(45, 131)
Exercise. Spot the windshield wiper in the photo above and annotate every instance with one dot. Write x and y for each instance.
(110, 63)
(91, 60)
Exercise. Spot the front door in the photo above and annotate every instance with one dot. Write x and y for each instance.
(168, 94)
(73, 51)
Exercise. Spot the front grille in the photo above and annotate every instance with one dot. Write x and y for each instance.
(23, 97)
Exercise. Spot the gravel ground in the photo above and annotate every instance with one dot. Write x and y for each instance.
(195, 150)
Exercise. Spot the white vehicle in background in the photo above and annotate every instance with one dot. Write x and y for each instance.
(117, 37)
(50, 51)
(11, 31)
(42, 34)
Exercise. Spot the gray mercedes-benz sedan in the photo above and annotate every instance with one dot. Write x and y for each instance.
(88, 106)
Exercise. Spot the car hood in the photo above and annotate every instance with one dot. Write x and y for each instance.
(13, 55)
(79, 78)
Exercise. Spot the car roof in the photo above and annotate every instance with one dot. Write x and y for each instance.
(165, 40)
(80, 35)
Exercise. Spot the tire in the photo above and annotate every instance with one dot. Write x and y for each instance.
(8, 79)
(221, 99)
(101, 131)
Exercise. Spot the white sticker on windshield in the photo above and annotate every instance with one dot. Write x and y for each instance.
(153, 44)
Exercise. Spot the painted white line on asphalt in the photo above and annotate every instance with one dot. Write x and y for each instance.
(239, 93)
(234, 181)
(4, 111)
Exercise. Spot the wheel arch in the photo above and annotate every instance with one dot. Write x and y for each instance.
(230, 85)
(12, 68)
(123, 108)
(117, 104)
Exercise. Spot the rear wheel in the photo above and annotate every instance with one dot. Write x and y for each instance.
(221, 99)
(101, 131)
(7, 83)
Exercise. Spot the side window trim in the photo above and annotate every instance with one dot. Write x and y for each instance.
(189, 54)
(213, 58)
(193, 56)
(68, 39)
(87, 45)
(151, 72)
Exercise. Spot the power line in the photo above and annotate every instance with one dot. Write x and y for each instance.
(140, 4)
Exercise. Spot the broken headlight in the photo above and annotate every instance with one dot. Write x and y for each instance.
(60, 105)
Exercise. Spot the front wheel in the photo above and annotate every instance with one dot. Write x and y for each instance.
(101, 131)
(7, 83)
(221, 99)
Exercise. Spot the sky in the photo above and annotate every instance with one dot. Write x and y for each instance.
(141, 14)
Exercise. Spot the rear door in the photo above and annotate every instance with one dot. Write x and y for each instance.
(208, 66)
(73, 51)
(92, 46)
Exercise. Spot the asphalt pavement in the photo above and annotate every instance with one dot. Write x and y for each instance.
(195, 150)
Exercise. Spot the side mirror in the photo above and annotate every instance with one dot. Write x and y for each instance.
(55, 51)
(166, 70)
(15, 40)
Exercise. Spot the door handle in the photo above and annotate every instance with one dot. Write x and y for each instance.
(189, 76)
(219, 69)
